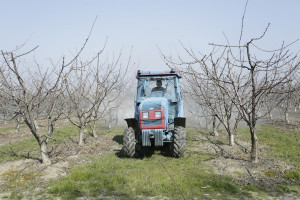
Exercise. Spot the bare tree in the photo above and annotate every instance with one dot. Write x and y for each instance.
(206, 85)
(91, 89)
(28, 90)
(246, 80)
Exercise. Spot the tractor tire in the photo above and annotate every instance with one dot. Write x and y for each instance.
(179, 142)
(129, 142)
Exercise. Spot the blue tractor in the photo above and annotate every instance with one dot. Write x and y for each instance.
(159, 117)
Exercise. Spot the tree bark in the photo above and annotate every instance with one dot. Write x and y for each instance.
(94, 130)
(44, 152)
(231, 139)
(18, 124)
(215, 131)
(254, 157)
(81, 133)
(287, 117)
(271, 115)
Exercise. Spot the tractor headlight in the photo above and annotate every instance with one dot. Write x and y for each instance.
(157, 114)
(145, 115)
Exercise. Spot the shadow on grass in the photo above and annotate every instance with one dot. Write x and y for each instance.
(10, 153)
(146, 152)
(118, 139)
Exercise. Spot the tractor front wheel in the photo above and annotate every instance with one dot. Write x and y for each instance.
(179, 140)
(129, 142)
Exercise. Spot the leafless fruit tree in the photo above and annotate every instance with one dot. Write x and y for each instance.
(206, 85)
(32, 93)
(237, 75)
(92, 88)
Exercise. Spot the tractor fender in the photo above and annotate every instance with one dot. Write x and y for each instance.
(132, 123)
(179, 121)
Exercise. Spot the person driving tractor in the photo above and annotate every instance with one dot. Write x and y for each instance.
(159, 86)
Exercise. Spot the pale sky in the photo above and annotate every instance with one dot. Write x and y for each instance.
(61, 27)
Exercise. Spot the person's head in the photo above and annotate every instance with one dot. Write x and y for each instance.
(158, 83)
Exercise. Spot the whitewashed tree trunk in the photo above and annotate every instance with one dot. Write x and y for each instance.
(287, 118)
(44, 152)
(271, 115)
(231, 139)
(94, 130)
(81, 134)
(215, 131)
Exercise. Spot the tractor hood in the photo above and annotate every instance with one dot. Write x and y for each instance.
(156, 103)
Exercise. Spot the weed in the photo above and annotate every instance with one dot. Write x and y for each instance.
(293, 174)
(270, 174)
(15, 179)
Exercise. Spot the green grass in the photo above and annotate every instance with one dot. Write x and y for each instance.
(29, 148)
(295, 175)
(2, 130)
(64, 132)
(18, 150)
(283, 144)
(119, 177)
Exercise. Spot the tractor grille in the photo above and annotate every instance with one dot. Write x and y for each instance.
(157, 134)
(152, 122)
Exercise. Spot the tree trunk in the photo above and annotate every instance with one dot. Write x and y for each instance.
(253, 157)
(215, 131)
(287, 117)
(117, 117)
(231, 138)
(110, 120)
(81, 133)
(4, 118)
(94, 130)
(18, 124)
(44, 152)
(17, 127)
(271, 115)
(206, 123)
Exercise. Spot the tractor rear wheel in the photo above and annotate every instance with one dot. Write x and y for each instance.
(179, 140)
(129, 142)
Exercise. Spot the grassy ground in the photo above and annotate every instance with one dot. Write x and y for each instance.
(28, 148)
(157, 176)
(284, 144)
(160, 176)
